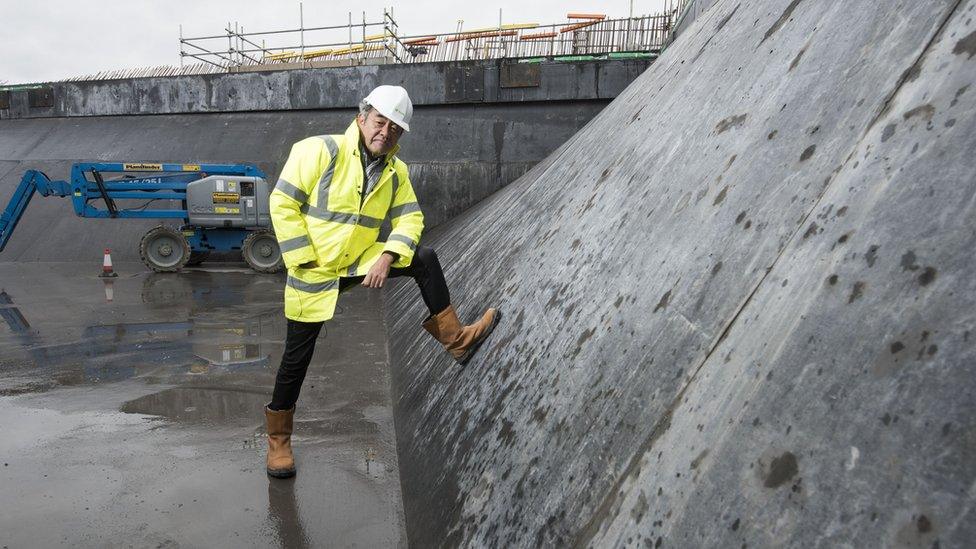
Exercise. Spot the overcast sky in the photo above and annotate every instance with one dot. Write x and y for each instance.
(45, 40)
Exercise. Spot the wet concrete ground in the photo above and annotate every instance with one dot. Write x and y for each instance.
(138, 421)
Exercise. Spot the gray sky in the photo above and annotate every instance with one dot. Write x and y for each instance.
(54, 39)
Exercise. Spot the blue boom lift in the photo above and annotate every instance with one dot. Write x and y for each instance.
(222, 207)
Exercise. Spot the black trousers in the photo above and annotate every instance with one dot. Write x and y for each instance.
(425, 269)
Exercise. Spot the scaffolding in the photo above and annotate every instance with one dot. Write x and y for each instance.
(360, 42)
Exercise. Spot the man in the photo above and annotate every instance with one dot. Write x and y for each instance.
(334, 193)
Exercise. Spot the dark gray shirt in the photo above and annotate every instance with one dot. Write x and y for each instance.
(372, 170)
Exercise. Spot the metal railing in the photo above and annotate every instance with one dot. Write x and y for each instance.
(646, 34)
(353, 41)
(364, 42)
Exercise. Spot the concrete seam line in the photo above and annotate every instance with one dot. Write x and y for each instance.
(592, 526)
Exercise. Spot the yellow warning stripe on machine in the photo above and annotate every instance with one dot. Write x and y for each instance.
(142, 167)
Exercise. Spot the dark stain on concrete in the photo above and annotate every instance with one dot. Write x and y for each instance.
(781, 21)
(912, 73)
(888, 131)
(636, 115)
(796, 60)
(959, 92)
(897, 347)
(639, 510)
(908, 261)
(584, 337)
(966, 45)
(950, 122)
(730, 122)
(772, 134)
(721, 196)
(872, 255)
(832, 279)
(727, 18)
(807, 153)
(842, 211)
(740, 217)
(843, 238)
(735, 525)
(926, 111)
(506, 434)
(539, 414)
(928, 275)
(924, 524)
(698, 460)
(663, 303)
(781, 470)
(716, 268)
(811, 230)
(856, 291)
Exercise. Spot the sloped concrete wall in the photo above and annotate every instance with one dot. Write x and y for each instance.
(739, 303)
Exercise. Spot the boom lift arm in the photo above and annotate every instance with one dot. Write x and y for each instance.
(222, 207)
(34, 181)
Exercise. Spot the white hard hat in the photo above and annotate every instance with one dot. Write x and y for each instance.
(393, 103)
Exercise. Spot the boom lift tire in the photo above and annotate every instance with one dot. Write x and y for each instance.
(261, 252)
(164, 249)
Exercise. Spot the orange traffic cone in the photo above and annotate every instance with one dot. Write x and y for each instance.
(107, 265)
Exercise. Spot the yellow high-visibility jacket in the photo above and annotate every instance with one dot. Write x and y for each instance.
(315, 209)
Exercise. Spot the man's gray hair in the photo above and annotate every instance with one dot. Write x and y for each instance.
(364, 108)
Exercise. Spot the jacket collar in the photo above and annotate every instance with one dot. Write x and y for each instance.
(352, 136)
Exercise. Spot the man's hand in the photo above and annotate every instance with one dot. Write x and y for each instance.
(379, 271)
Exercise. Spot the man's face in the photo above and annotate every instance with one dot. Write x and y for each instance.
(380, 134)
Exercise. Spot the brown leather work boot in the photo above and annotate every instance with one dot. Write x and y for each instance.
(461, 341)
(281, 464)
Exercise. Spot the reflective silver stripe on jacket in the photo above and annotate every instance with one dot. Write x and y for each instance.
(403, 209)
(291, 191)
(293, 243)
(312, 287)
(405, 239)
(351, 270)
(326, 181)
(341, 217)
(396, 184)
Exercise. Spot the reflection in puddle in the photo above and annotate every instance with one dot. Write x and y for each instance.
(209, 326)
(284, 514)
(12, 315)
(201, 404)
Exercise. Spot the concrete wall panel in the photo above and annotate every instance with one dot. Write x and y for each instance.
(738, 303)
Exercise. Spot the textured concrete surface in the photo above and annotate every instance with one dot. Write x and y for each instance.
(458, 155)
(739, 303)
(430, 84)
(138, 422)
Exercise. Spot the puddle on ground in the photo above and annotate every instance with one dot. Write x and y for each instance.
(201, 404)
